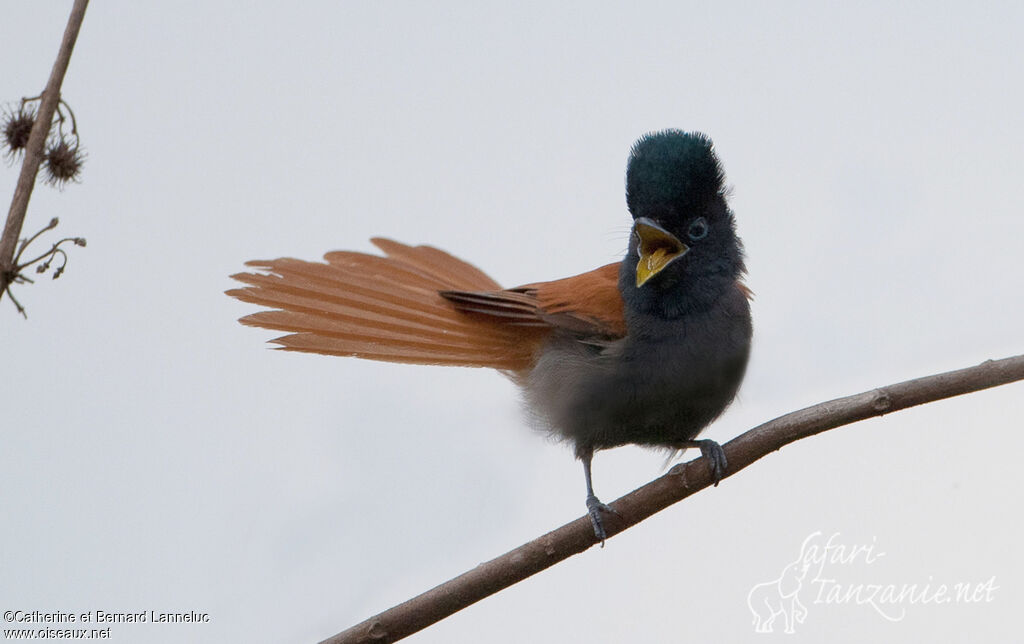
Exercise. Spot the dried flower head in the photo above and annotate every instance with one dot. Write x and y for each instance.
(17, 127)
(63, 162)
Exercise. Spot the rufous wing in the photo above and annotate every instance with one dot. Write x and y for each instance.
(588, 305)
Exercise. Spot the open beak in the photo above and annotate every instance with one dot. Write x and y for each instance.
(658, 248)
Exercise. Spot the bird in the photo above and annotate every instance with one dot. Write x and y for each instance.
(646, 351)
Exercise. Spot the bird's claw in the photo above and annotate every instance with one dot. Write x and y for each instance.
(594, 508)
(712, 451)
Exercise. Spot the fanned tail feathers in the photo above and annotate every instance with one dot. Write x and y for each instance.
(383, 308)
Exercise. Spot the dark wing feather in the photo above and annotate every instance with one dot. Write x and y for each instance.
(588, 305)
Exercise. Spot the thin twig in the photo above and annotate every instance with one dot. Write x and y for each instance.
(53, 249)
(63, 105)
(680, 482)
(25, 243)
(34, 148)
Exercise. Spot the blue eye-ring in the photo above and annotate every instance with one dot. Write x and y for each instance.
(698, 229)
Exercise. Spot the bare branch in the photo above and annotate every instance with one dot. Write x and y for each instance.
(680, 482)
(34, 148)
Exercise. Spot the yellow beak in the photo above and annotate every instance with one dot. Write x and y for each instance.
(658, 248)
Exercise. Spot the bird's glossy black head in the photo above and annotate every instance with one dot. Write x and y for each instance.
(672, 169)
(684, 242)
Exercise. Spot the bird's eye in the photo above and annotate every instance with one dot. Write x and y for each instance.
(698, 229)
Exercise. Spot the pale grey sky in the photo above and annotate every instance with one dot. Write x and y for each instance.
(157, 457)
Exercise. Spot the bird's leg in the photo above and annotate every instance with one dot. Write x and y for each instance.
(712, 451)
(594, 505)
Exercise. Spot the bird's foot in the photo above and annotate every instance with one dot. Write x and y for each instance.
(712, 451)
(594, 508)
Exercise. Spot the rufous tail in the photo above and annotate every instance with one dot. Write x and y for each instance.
(383, 308)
